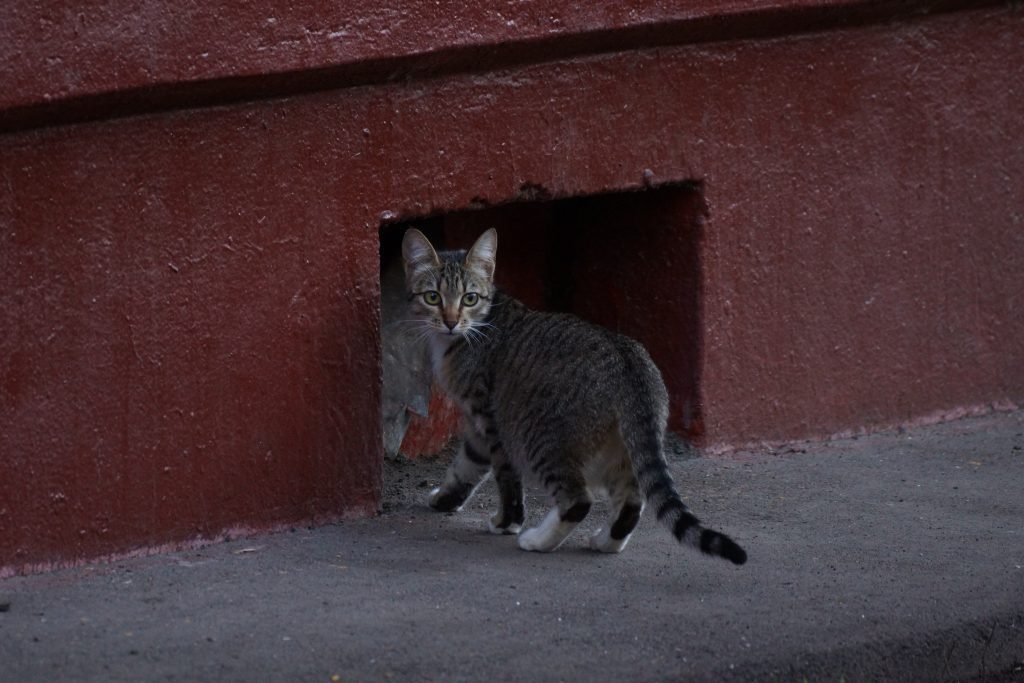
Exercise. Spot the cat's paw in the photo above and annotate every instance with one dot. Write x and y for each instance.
(495, 527)
(444, 501)
(533, 539)
(603, 542)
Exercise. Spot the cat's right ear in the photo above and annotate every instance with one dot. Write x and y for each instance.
(481, 255)
(418, 254)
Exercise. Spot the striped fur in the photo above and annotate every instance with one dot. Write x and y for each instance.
(573, 407)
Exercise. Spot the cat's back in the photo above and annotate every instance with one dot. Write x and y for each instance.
(541, 342)
(559, 357)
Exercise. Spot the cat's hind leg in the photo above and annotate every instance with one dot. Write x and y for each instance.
(611, 470)
(628, 505)
(512, 509)
(467, 470)
(572, 503)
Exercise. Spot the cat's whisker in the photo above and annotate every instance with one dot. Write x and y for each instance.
(411, 321)
(425, 331)
(417, 328)
(408, 326)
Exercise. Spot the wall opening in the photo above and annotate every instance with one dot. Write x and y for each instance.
(630, 261)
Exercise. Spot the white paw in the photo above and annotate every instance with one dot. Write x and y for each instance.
(603, 542)
(493, 527)
(435, 493)
(533, 539)
(433, 500)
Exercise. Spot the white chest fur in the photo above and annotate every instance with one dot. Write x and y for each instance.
(439, 344)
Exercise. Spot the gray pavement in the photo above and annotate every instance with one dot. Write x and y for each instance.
(896, 556)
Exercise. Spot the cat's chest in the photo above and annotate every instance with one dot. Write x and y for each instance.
(448, 366)
(461, 375)
(437, 351)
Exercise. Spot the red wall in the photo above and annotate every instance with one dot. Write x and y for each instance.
(188, 296)
(177, 355)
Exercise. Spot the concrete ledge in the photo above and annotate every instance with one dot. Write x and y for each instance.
(898, 556)
(66, 65)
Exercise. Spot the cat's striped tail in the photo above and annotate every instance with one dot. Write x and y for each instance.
(643, 431)
(687, 529)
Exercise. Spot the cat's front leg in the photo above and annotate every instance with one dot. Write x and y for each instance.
(469, 467)
(512, 509)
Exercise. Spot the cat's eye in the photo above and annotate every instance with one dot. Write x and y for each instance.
(470, 299)
(432, 298)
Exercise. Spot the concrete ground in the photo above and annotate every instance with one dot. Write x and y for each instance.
(898, 556)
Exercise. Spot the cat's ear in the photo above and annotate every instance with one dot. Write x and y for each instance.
(481, 256)
(418, 254)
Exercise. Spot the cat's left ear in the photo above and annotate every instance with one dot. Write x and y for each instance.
(481, 256)
(418, 254)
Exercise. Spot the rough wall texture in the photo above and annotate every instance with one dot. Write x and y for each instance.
(177, 355)
(866, 229)
(188, 299)
(65, 61)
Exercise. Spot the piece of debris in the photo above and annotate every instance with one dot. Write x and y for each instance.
(250, 549)
(5, 606)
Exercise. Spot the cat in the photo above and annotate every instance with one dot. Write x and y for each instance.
(575, 407)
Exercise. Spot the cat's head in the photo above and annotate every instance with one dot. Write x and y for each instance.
(450, 293)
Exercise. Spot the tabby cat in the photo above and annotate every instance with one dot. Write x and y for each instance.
(574, 407)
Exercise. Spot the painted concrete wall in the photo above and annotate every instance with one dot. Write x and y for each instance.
(188, 249)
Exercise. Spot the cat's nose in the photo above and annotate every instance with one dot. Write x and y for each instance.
(450, 324)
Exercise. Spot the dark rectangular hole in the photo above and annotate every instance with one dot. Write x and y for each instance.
(630, 261)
